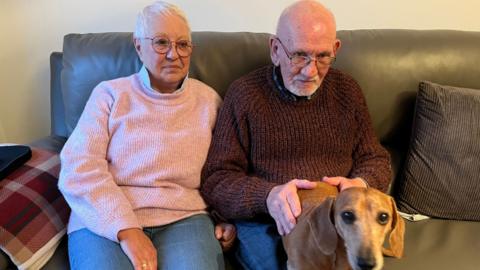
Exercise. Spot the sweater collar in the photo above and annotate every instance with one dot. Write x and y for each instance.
(144, 88)
(278, 81)
(145, 79)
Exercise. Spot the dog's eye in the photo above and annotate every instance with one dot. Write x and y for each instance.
(382, 218)
(348, 217)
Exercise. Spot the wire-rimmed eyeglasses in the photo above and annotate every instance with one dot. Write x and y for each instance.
(301, 60)
(162, 45)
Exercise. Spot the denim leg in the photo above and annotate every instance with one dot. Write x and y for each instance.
(88, 250)
(187, 244)
(259, 245)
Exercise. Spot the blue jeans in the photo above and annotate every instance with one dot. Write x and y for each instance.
(187, 244)
(259, 245)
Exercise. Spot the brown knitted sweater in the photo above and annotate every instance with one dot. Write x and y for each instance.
(263, 138)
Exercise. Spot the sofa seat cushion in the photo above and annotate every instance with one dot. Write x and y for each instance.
(439, 244)
(34, 214)
(442, 170)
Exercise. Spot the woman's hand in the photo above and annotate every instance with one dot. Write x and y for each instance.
(138, 248)
(225, 233)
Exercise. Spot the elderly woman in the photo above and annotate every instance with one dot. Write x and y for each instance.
(131, 168)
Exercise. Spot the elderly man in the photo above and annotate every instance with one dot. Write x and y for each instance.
(283, 127)
(131, 168)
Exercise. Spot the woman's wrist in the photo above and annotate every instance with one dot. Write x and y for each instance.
(126, 233)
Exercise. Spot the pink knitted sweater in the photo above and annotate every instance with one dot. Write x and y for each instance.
(134, 159)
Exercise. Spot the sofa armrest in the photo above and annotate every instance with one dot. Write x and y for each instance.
(57, 107)
(51, 143)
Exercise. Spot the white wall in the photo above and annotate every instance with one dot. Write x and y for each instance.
(31, 29)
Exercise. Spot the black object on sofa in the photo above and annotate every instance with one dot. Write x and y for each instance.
(388, 65)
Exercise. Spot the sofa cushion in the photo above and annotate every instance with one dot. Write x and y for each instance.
(34, 214)
(438, 244)
(442, 170)
(89, 59)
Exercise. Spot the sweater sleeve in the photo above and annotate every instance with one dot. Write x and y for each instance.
(371, 161)
(227, 185)
(85, 180)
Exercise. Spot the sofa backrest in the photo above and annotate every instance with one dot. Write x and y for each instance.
(87, 59)
(388, 64)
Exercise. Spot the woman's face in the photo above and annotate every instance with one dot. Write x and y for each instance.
(166, 70)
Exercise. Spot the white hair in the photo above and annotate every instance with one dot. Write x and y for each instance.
(158, 8)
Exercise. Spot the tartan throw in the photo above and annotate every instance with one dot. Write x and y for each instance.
(33, 213)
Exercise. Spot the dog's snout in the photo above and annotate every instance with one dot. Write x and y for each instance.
(366, 263)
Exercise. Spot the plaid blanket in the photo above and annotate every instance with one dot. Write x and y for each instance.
(33, 213)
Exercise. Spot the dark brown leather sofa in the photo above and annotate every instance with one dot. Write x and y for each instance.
(388, 64)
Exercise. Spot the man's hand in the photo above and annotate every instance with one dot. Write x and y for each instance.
(284, 205)
(343, 183)
(225, 233)
(138, 248)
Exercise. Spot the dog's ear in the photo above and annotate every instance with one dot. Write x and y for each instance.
(322, 226)
(397, 232)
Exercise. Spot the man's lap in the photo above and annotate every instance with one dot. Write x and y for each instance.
(259, 245)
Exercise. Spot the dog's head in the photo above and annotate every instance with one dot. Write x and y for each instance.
(364, 218)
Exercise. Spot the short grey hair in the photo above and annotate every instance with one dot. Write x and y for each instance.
(158, 8)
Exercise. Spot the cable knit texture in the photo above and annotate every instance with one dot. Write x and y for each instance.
(262, 139)
(135, 158)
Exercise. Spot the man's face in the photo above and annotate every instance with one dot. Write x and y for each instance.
(166, 70)
(298, 79)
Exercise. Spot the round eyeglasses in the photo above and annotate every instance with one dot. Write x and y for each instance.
(301, 60)
(162, 45)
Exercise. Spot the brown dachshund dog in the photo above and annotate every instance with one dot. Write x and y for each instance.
(345, 230)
